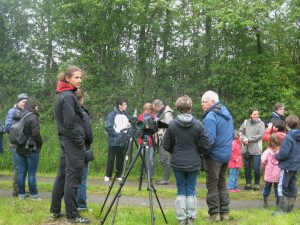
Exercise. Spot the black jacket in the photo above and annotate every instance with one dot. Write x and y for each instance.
(31, 130)
(184, 139)
(69, 117)
(87, 127)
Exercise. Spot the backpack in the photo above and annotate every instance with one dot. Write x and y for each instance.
(16, 131)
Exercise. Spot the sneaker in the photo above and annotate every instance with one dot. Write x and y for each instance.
(256, 187)
(237, 190)
(106, 178)
(231, 190)
(120, 178)
(36, 199)
(78, 219)
(56, 216)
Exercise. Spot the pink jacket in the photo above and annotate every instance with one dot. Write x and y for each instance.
(236, 157)
(272, 170)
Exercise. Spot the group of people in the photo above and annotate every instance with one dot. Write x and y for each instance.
(187, 140)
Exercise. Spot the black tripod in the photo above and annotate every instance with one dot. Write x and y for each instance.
(142, 151)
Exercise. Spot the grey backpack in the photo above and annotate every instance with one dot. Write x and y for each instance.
(16, 131)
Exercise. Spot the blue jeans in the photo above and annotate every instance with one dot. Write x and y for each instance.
(28, 163)
(81, 191)
(233, 177)
(256, 166)
(268, 186)
(15, 159)
(186, 182)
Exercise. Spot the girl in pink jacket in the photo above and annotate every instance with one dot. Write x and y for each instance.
(235, 163)
(271, 167)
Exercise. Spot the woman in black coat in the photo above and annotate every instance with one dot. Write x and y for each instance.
(29, 152)
(185, 138)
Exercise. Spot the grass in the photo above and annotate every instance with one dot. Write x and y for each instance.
(26, 212)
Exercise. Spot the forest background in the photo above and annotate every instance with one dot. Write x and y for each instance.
(246, 51)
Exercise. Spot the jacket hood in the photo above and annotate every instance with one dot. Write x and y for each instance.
(295, 134)
(185, 120)
(61, 86)
(278, 116)
(219, 109)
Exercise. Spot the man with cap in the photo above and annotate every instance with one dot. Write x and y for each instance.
(18, 107)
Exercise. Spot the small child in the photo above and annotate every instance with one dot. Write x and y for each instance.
(289, 163)
(278, 126)
(271, 167)
(235, 163)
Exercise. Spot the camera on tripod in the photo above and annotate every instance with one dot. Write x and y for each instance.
(30, 145)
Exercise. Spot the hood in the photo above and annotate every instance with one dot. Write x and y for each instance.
(278, 116)
(61, 86)
(185, 120)
(295, 134)
(219, 109)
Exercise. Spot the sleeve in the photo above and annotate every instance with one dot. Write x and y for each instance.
(168, 117)
(242, 129)
(267, 134)
(204, 144)
(109, 126)
(210, 127)
(68, 109)
(8, 120)
(1, 127)
(285, 149)
(167, 141)
(35, 130)
(264, 157)
(260, 132)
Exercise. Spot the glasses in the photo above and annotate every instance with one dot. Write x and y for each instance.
(206, 101)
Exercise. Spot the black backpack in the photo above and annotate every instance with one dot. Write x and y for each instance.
(16, 131)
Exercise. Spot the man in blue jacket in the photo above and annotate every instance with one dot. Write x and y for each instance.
(219, 127)
(17, 108)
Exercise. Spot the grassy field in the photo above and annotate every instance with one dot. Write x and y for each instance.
(16, 212)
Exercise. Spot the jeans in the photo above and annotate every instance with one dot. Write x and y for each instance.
(151, 155)
(118, 152)
(15, 159)
(256, 165)
(81, 192)
(268, 186)
(233, 177)
(217, 197)
(28, 163)
(186, 182)
(68, 178)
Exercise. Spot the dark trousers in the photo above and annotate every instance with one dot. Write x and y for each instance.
(287, 185)
(268, 186)
(68, 178)
(118, 153)
(255, 160)
(217, 197)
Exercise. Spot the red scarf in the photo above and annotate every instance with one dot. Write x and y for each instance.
(62, 86)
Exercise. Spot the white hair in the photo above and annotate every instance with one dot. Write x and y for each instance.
(211, 95)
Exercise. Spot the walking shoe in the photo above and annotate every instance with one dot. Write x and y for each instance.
(215, 217)
(237, 190)
(224, 216)
(247, 187)
(36, 199)
(78, 219)
(231, 190)
(120, 178)
(256, 187)
(106, 178)
(56, 216)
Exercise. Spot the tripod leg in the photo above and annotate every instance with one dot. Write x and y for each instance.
(142, 167)
(121, 184)
(154, 190)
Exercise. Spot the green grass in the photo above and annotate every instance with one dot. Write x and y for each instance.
(15, 212)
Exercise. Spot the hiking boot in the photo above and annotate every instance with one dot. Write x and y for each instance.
(215, 217)
(266, 205)
(78, 219)
(290, 204)
(282, 206)
(256, 187)
(247, 187)
(224, 216)
(56, 216)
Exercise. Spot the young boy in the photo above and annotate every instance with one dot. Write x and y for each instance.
(278, 126)
(289, 163)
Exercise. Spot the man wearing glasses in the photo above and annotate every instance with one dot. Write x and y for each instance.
(117, 120)
(219, 127)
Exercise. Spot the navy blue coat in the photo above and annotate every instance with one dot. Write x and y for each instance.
(289, 152)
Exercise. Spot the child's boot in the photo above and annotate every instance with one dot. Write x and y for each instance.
(282, 206)
(291, 203)
(266, 205)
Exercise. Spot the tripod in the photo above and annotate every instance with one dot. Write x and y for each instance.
(142, 149)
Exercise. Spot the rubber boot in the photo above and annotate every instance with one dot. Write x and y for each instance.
(282, 206)
(166, 176)
(15, 185)
(291, 203)
(277, 201)
(191, 209)
(266, 205)
(180, 209)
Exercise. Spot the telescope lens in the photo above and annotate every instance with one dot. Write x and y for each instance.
(140, 125)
